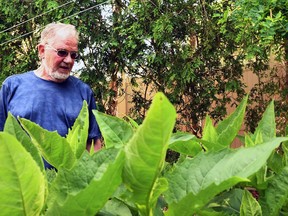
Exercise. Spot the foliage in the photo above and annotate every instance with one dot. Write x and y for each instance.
(261, 35)
(180, 51)
(173, 47)
(18, 55)
(132, 177)
(192, 51)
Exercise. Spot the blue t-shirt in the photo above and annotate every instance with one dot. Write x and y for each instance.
(54, 106)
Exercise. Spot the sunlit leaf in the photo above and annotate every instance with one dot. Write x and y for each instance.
(210, 173)
(115, 131)
(185, 143)
(84, 189)
(276, 194)
(13, 127)
(54, 148)
(228, 129)
(78, 135)
(22, 183)
(145, 154)
(250, 206)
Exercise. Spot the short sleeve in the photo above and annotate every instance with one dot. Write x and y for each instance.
(4, 94)
(94, 131)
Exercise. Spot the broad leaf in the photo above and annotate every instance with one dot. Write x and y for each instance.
(13, 127)
(276, 161)
(86, 188)
(285, 155)
(228, 203)
(249, 205)
(228, 129)
(209, 146)
(115, 207)
(78, 135)
(248, 142)
(267, 125)
(185, 143)
(132, 122)
(191, 204)
(210, 173)
(209, 133)
(276, 194)
(54, 148)
(253, 139)
(115, 131)
(145, 154)
(22, 183)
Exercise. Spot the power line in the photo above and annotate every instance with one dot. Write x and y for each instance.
(23, 35)
(34, 17)
(87, 9)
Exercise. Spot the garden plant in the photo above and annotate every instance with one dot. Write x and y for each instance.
(130, 176)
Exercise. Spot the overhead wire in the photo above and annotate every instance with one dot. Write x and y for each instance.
(7, 29)
(75, 14)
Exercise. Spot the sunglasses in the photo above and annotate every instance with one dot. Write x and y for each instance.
(64, 53)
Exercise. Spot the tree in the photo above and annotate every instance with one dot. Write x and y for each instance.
(171, 46)
(176, 47)
(16, 55)
(102, 58)
(193, 51)
(261, 29)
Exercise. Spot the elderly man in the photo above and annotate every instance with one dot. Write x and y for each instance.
(49, 96)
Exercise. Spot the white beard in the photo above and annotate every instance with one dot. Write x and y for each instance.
(55, 75)
(58, 76)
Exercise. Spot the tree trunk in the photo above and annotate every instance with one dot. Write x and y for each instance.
(286, 59)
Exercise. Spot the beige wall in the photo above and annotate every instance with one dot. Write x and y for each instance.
(124, 101)
(249, 79)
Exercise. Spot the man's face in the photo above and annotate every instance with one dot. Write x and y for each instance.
(57, 68)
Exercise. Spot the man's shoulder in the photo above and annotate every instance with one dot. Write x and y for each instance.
(78, 82)
(15, 78)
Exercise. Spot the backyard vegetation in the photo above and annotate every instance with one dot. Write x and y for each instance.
(195, 49)
(130, 176)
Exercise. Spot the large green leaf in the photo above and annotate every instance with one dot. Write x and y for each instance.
(86, 188)
(185, 143)
(210, 135)
(145, 154)
(54, 148)
(13, 127)
(115, 207)
(276, 194)
(115, 131)
(228, 129)
(78, 135)
(267, 125)
(265, 131)
(228, 202)
(22, 183)
(196, 181)
(253, 139)
(249, 205)
(132, 122)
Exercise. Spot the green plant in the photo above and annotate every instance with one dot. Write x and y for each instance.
(129, 176)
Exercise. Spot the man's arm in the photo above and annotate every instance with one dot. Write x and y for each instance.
(3, 106)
